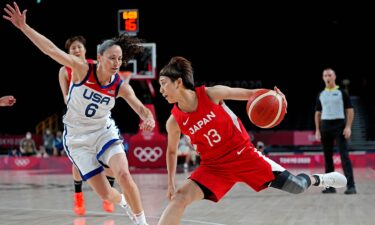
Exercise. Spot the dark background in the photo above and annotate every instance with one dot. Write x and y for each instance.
(237, 43)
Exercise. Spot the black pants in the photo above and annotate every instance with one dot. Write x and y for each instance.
(331, 131)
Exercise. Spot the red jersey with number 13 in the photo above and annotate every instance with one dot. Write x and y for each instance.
(213, 129)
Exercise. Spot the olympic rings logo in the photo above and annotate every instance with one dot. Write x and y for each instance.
(22, 162)
(148, 153)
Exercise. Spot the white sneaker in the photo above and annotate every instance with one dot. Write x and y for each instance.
(332, 179)
(129, 213)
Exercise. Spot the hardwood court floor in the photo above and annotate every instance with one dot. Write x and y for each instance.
(42, 198)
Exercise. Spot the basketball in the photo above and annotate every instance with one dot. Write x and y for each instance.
(266, 108)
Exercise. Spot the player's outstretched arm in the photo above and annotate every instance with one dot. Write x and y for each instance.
(18, 19)
(222, 92)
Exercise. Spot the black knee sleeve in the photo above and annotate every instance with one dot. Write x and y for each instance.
(290, 183)
(111, 180)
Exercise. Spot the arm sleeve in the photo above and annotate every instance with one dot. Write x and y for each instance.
(318, 104)
(346, 100)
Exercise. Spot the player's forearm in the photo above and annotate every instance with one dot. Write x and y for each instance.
(317, 119)
(145, 113)
(171, 166)
(349, 117)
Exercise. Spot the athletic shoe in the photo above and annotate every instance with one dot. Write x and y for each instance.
(108, 206)
(79, 204)
(130, 213)
(332, 179)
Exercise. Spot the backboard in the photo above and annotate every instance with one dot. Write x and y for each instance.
(144, 66)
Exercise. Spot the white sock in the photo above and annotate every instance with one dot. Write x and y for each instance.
(140, 218)
(128, 210)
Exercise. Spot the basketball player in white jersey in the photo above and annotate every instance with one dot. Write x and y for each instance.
(91, 137)
(76, 45)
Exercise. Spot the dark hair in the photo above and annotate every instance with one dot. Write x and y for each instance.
(70, 41)
(329, 68)
(179, 67)
(129, 45)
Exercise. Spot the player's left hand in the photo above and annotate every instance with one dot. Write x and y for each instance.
(282, 95)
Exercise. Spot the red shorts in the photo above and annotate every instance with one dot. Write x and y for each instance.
(248, 166)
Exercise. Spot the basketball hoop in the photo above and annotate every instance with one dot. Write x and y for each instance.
(125, 75)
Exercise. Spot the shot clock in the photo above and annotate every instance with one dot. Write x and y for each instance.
(128, 21)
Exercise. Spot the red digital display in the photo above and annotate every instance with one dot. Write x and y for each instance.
(128, 21)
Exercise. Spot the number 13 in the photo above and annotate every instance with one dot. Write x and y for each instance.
(212, 136)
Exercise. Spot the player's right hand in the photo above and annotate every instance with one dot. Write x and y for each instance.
(15, 16)
(171, 192)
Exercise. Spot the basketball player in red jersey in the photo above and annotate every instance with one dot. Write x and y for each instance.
(227, 155)
(7, 100)
(77, 46)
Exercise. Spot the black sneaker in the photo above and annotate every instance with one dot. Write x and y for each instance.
(329, 190)
(350, 191)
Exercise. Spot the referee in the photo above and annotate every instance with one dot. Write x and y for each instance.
(333, 121)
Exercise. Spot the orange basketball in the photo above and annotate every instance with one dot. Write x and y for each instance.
(266, 108)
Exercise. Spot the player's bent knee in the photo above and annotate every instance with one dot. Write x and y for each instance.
(123, 174)
(182, 199)
(290, 183)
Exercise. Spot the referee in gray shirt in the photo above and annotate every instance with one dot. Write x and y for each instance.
(333, 122)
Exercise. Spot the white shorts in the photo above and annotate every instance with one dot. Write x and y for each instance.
(89, 152)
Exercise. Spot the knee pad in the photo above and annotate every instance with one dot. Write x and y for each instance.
(290, 183)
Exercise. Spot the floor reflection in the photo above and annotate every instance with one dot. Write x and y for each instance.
(82, 221)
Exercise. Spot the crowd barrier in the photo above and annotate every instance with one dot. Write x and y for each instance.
(63, 164)
(148, 150)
